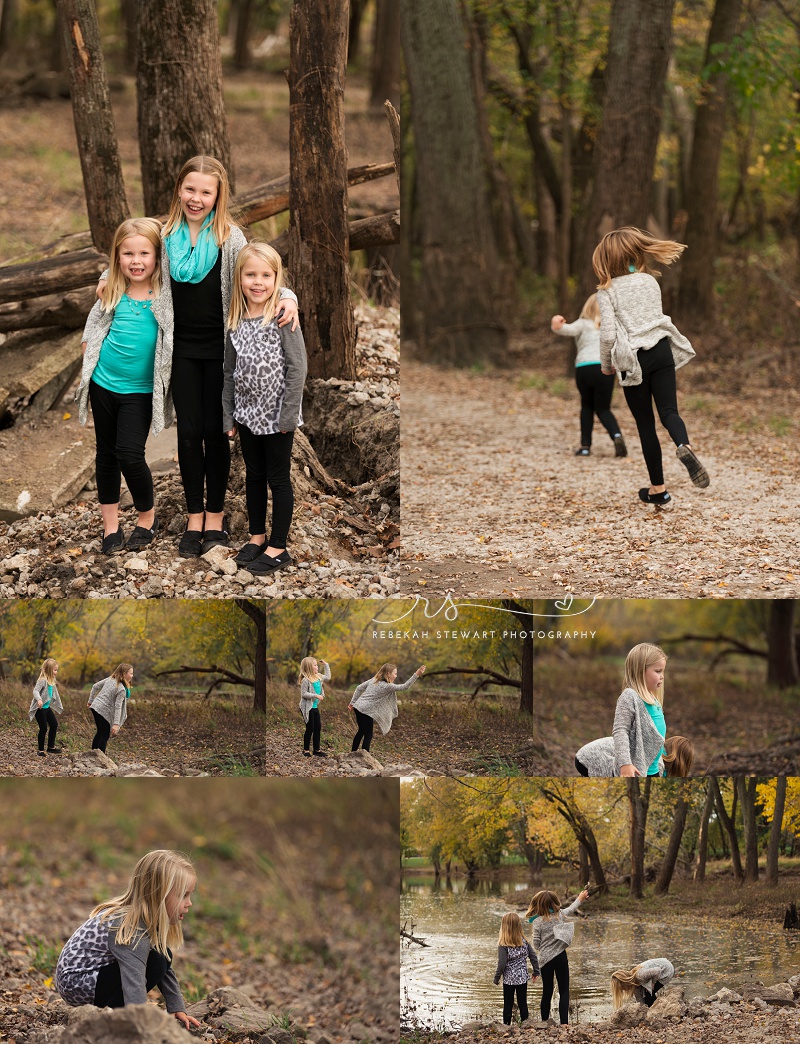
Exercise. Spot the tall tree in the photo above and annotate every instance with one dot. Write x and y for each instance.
(95, 130)
(696, 295)
(638, 805)
(458, 323)
(702, 835)
(385, 65)
(180, 107)
(526, 665)
(568, 808)
(258, 615)
(729, 825)
(319, 245)
(746, 786)
(674, 843)
(624, 156)
(782, 668)
(8, 24)
(775, 831)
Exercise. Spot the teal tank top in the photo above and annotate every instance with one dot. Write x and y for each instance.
(128, 353)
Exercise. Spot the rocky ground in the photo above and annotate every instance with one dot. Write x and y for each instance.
(345, 535)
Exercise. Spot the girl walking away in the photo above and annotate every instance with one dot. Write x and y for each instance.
(552, 934)
(44, 705)
(594, 387)
(127, 352)
(597, 758)
(125, 948)
(265, 371)
(639, 725)
(311, 692)
(513, 953)
(644, 346)
(108, 701)
(376, 701)
(642, 982)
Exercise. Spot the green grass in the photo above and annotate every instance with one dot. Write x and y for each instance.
(44, 954)
(779, 424)
(532, 380)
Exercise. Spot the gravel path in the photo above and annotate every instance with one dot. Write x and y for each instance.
(495, 502)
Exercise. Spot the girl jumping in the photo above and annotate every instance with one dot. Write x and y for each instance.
(376, 700)
(311, 692)
(127, 352)
(552, 934)
(513, 953)
(44, 705)
(124, 950)
(265, 371)
(642, 982)
(108, 702)
(643, 345)
(594, 387)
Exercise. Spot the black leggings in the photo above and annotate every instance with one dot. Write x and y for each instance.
(559, 966)
(108, 990)
(267, 462)
(580, 767)
(596, 390)
(103, 733)
(508, 1002)
(650, 998)
(365, 726)
(46, 719)
(204, 454)
(121, 424)
(658, 386)
(313, 728)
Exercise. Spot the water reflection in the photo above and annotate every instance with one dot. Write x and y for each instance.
(450, 981)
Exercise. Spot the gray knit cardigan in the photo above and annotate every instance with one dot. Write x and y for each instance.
(378, 700)
(544, 941)
(658, 969)
(636, 739)
(40, 693)
(307, 694)
(631, 320)
(109, 699)
(597, 757)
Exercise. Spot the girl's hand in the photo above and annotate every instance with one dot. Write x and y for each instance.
(584, 895)
(608, 373)
(40, 703)
(420, 670)
(186, 1020)
(232, 432)
(114, 730)
(629, 770)
(557, 322)
(286, 313)
(101, 286)
(83, 347)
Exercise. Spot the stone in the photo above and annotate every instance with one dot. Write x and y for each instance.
(137, 769)
(137, 565)
(217, 556)
(360, 760)
(725, 996)
(358, 1031)
(781, 993)
(232, 1010)
(93, 763)
(668, 1004)
(134, 1024)
(628, 1016)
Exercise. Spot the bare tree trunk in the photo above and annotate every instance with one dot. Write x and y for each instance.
(775, 831)
(638, 805)
(95, 130)
(319, 247)
(696, 297)
(385, 71)
(130, 27)
(241, 53)
(702, 836)
(180, 107)
(260, 669)
(526, 667)
(674, 843)
(354, 19)
(584, 870)
(8, 25)
(747, 799)
(729, 824)
(782, 669)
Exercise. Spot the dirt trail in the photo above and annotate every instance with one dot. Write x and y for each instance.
(495, 502)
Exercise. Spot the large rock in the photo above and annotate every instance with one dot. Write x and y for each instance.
(136, 768)
(134, 1024)
(668, 1004)
(232, 1010)
(628, 1016)
(93, 763)
(360, 762)
(725, 996)
(781, 993)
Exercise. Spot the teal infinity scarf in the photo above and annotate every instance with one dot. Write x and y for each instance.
(188, 264)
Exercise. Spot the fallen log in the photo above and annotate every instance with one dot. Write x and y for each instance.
(68, 311)
(66, 272)
(381, 230)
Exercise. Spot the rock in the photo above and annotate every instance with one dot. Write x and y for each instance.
(232, 1010)
(134, 1024)
(153, 587)
(627, 1017)
(217, 556)
(358, 1031)
(279, 1035)
(137, 565)
(359, 761)
(794, 982)
(92, 763)
(781, 993)
(668, 1004)
(725, 996)
(137, 769)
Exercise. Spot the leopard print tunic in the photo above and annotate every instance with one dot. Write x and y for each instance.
(86, 952)
(260, 376)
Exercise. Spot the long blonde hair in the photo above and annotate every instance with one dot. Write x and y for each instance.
(636, 663)
(47, 672)
(270, 256)
(223, 218)
(150, 228)
(623, 986)
(545, 904)
(384, 671)
(511, 931)
(119, 674)
(678, 756)
(591, 310)
(309, 672)
(627, 246)
(156, 876)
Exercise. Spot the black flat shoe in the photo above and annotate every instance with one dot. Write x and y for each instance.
(583, 451)
(266, 564)
(215, 538)
(620, 449)
(141, 537)
(320, 754)
(113, 543)
(41, 753)
(54, 750)
(654, 498)
(191, 544)
(249, 553)
(697, 473)
(306, 753)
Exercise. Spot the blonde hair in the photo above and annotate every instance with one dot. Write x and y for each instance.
(270, 256)
(545, 904)
(636, 663)
(678, 756)
(142, 909)
(384, 671)
(511, 931)
(591, 310)
(223, 218)
(310, 672)
(112, 292)
(119, 673)
(627, 246)
(47, 672)
(623, 986)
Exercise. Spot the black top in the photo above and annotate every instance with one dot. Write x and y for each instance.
(199, 323)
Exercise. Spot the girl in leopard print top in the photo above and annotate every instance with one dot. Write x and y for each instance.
(265, 371)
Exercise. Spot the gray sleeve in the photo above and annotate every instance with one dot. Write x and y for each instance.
(96, 689)
(537, 934)
(327, 673)
(294, 350)
(92, 320)
(405, 684)
(286, 292)
(608, 328)
(305, 689)
(533, 958)
(360, 689)
(228, 368)
(132, 961)
(623, 719)
(171, 992)
(569, 329)
(119, 703)
(502, 960)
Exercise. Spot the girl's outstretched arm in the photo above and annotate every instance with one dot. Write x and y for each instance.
(186, 1020)
(407, 684)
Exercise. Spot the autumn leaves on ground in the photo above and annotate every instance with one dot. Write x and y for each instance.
(295, 901)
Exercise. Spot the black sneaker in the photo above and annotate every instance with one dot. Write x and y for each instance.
(141, 537)
(654, 498)
(54, 750)
(215, 538)
(191, 544)
(41, 753)
(266, 564)
(620, 449)
(113, 543)
(583, 451)
(320, 754)
(306, 753)
(697, 473)
(249, 553)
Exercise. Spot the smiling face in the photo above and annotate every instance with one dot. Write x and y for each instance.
(128, 676)
(198, 194)
(654, 675)
(258, 283)
(178, 904)
(137, 260)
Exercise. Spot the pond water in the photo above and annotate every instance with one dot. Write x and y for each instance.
(450, 981)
